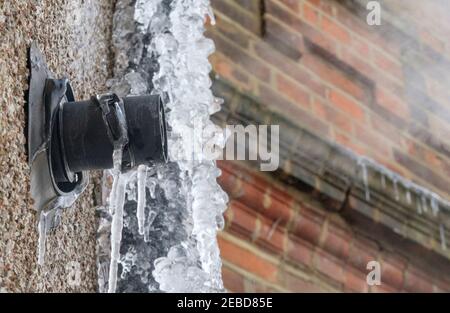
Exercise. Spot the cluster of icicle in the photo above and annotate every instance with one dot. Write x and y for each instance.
(426, 201)
(184, 75)
(177, 39)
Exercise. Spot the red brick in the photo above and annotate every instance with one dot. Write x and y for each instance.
(291, 4)
(258, 194)
(279, 207)
(324, 6)
(308, 224)
(253, 286)
(415, 281)
(392, 269)
(300, 251)
(250, 5)
(228, 217)
(442, 284)
(356, 24)
(383, 288)
(329, 266)
(362, 65)
(362, 252)
(314, 35)
(335, 30)
(387, 82)
(436, 161)
(334, 76)
(284, 39)
(387, 64)
(428, 156)
(241, 57)
(229, 182)
(347, 105)
(310, 14)
(337, 241)
(247, 260)
(262, 201)
(295, 283)
(231, 31)
(338, 119)
(271, 236)
(392, 103)
(229, 71)
(388, 131)
(252, 196)
(370, 137)
(355, 281)
(293, 91)
(232, 281)
(235, 12)
(292, 111)
(349, 143)
(394, 168)
(361, 47)
(287, 67)
(244, 220)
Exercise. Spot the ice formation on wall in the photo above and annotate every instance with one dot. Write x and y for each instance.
(183, 75)
(424, 200)
(168, 241)
(51, 217)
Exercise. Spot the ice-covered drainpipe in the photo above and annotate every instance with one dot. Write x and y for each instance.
(67, 138)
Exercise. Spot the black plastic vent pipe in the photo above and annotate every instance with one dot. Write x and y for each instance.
(85, 133)
(67, 138)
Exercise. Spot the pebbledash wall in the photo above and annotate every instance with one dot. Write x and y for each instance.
(329, 79)
(75, 38)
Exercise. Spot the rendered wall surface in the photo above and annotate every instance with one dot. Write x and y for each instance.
(75, 38)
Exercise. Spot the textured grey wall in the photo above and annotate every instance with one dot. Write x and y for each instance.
(75, 37)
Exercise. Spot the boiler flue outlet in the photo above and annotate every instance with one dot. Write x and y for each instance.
(67, 138)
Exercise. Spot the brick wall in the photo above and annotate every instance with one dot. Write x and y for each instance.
(379, 90)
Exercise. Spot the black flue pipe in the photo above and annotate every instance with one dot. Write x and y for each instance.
(86, 138)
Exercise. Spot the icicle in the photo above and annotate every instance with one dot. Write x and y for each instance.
(42, 227)
(383, 181)
(141, 180)
(365, 180)
(442, 233)
(434, 205)
(116, 230)
(152, 188)
(419, 207)
(119, 144)
(117, 161)
(396, 193)
(148, 224)
(211, 16)
(424, 203)
(408, 196)
(186, 81)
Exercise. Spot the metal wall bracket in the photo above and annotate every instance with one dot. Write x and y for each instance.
(45, 96)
